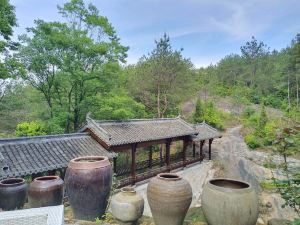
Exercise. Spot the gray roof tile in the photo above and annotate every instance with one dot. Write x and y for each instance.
(29, 155)
(115, 133)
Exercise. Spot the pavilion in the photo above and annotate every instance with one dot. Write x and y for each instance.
(138, 149)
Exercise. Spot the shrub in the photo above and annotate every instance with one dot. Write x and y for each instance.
(252, 141)
(33, 128)
(248, 112)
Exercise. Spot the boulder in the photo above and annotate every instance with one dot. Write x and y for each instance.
(276, 221)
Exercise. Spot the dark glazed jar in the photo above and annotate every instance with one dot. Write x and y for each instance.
(88, 182)
(46, 191)
(169, 197)
(13, 192)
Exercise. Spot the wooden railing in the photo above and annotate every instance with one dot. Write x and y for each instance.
(151, 172)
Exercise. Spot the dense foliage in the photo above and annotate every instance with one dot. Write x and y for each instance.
(258, 76)
(60, 71)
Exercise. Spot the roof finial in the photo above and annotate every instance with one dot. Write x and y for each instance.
(88, 116)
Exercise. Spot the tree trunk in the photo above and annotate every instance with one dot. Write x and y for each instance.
(289, 99)
(158, 101)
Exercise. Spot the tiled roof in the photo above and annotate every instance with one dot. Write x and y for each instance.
(205, 132)
(29, 155)
(115, 133)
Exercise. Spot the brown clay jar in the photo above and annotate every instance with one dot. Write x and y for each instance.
(169, 197)
(13, 192)
(88, 182)
(46, 191)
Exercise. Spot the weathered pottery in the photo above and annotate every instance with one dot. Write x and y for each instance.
(169, 197)
(88, 182)
(13, 192)
(127, 206)
(229, 202)
(46, 191)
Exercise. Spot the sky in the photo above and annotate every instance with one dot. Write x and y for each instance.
(207, 30)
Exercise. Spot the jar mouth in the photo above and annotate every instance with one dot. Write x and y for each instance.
(229, 184)
(46, 178)
(89, 159)
(12, 181)
(169, 176)
(128, 190)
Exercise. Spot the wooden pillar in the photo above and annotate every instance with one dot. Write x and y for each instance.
(150, 157)
(201, 148)
(115, 164)
(62, 173)
(194, 149)
(168, 143)
(185, 143)
(209, 147)
(133, 164)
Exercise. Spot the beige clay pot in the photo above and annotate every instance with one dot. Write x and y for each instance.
(127, 206)
(169, 197)
(229, 202)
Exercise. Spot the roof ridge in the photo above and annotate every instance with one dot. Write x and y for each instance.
(185, 123)
(52, 136)
(134, 120)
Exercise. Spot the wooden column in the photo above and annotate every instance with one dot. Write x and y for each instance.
(168, 143)
(209, 147)
(194, 149)
(185, 143)
(150, 157)
(201, 148)
(133, 164)
(115, 164)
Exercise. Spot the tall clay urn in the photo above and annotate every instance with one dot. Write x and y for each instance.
(127, 206)
(169, 197)
(228, 202)
(88, 182)
(13, 192)
(46, 191)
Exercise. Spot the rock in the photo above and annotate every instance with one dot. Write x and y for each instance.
(276, 221)
(269, 205)
(260, 221)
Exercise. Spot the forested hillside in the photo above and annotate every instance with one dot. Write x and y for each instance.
(59, 71)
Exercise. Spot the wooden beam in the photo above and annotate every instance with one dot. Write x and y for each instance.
(115, 164)
(194, 149)
(168, 144)
(150, 157)
(133, 164)
(209, 147)
(185, 143)
(201, 148)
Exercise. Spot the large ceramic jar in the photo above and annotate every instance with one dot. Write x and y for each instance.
(46, 191)
(127, 206)
(88, 182)
(229, 202)
(13, 192)
(169, 197)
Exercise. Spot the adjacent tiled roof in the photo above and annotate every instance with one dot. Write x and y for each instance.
(115, 133)
(29, 155)
(205, 132)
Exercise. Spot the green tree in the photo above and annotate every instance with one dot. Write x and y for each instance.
(198, 116)
(68, 62)
(7, 22)
(162, 79)
(252, 52)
